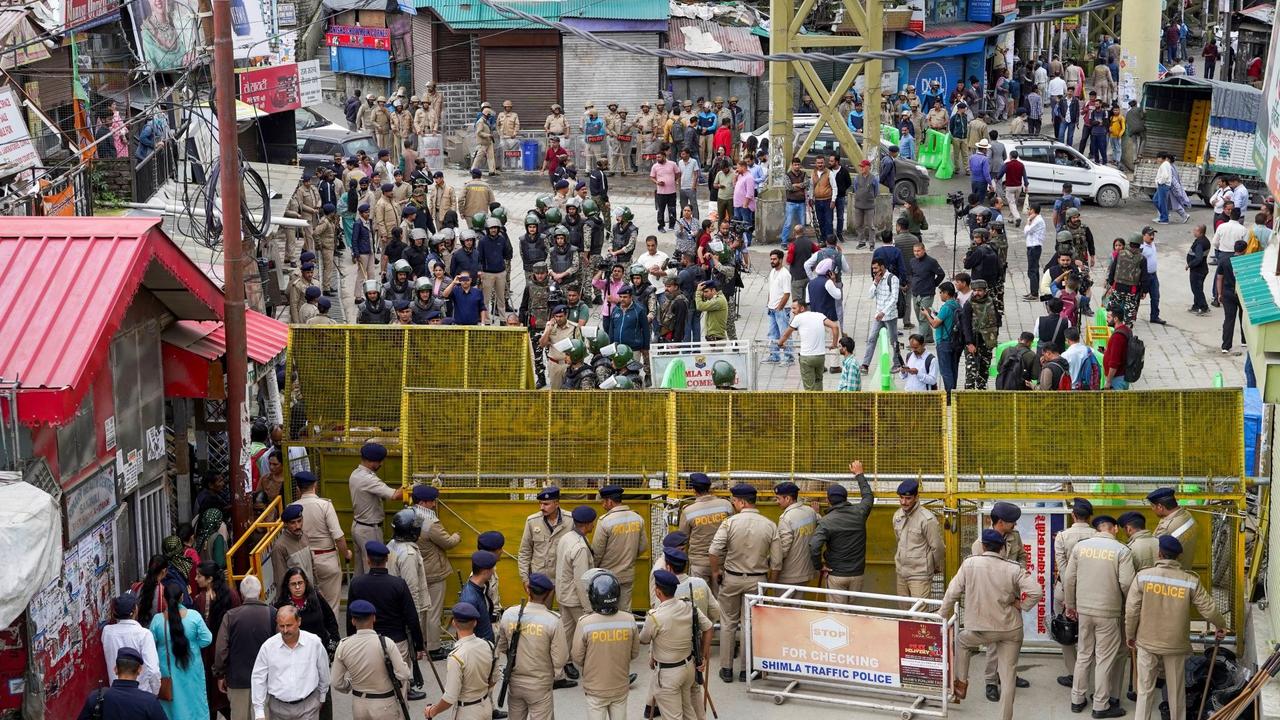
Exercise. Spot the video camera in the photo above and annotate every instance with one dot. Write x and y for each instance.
(959, 202)
(739, 227)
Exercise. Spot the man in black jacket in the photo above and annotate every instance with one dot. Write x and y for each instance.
(124, 700)
(843, 181)
(925, 275)
(397, 616)
(243, 631)
(839, 544)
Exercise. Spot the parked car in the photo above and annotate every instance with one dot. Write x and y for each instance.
(308, 119)
(317, 147)
(1051, 163)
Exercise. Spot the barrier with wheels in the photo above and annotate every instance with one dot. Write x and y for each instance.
(935, 154)
(857, 649)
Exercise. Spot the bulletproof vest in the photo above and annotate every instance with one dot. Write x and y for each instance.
(378, 313)
(420, 311)
(538, 294)
(561, 259)
(985, 322)
(1129, 268)
(1079, 245)
(620, 235)
(596, 228)
(580, 377)
(575, 232)
(532, 249)
(602, 367)
(1000, 242)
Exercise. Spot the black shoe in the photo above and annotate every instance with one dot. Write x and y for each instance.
(631, 678)
(1158, 321)
(1215, 303)
(571, 672)
(862, 245)
(416, 695)
(652, 711)
(438, 655)
(1019, 681)
(563, 683)
(499, 714)
(726, 675)
(1079, 707)
(1065, 680)
(1113, 702)
(993, 692)
(742, 676)
(1133, 696)
(1112, 711)
(330, 293)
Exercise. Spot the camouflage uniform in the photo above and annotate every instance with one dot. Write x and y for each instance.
(534, 312)
(580, 377)
(986, 330)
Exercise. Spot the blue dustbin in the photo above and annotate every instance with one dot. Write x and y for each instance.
(529, 153)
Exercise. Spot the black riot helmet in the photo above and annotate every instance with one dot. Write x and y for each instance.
(604, 591)
(406, 525)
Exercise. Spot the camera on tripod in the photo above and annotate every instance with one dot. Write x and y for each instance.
(740, 227)
(957, 199)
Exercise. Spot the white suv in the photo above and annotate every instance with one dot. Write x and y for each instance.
(1051, 163)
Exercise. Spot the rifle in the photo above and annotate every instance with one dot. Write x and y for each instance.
(698, 677)
(417, 671)
(396, 685)
(511, 656)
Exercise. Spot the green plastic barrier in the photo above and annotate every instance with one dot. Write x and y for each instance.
(890, 133)
(935, 148)
(1217, 380)
(880, 374)
(673, 378)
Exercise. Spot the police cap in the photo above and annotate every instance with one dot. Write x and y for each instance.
(992, 537)
(402, 305)
(124, 605)
(1082, 507)
(584, 514)
(324, 304)
(361, 609)
(909, 487)
(1008, 512)
(539, 583)
(743, 490)
(483, 560)
(699, 481)
(373, 452)
(549, 493)
(465, 612)
(1170, 546)
(1160, 495)
(308, 267)
(388, 187)
(675, 554)
(611, 492)
(130, 654)
(491, 540)
(313, 292)
(306, 478)
(291, 512)
(425, 492)
(786, 488)
(375, 548)
(675, 539)
(666, 580)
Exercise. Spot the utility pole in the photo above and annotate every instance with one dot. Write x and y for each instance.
(233, 266)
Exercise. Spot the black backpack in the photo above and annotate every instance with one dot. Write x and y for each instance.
(1134, 358)
(1011, 376)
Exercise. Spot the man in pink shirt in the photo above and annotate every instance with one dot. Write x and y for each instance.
(664, 174)
(744, 201)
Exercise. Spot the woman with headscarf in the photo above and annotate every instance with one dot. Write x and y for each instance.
(211, 536)
(213, 599)
(180, 566)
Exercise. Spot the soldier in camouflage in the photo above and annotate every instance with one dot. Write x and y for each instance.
(980, 330)
(535, 310)
(1000, 242)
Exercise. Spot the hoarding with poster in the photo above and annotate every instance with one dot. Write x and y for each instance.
(167, 31)
(1037, 526)
(271, 89)
(695, 361)
(17, 153)
(847, 648)
(84, 14)
(1266, 146)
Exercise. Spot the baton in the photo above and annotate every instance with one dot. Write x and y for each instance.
(1208, 680)
(706, 700)
(435, 672)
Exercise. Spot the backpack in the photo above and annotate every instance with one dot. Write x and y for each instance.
(1134, 358)
(1089, 377)
(1059, 369)
(1010, 376)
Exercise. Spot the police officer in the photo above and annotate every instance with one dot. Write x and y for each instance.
(1004, 520)
(1175, 521)
(406, 562)
(995, 591)
(475, 591)
(324, 536)
(1094, 584)
(920, 551)
(368, 493)
(1063, 542)
(744, 552)
(433, 542)
(290, 548)
(492, 541)
(470, 671)
(700, 520)
(124, 700)
(573, 560)
(1157, 615)
(542, 533)
(542, 649)
(360, 667)
(397, 616)
(669, 627)
(604, 644)
(299, 286)
(796, 525)
(699, 592)
(839, 545)
(1144, 546)
(674, 540)
(618, 542)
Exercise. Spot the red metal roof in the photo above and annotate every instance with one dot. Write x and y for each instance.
(65, 286)
(706, 36)
(266, 337)
(941, 32)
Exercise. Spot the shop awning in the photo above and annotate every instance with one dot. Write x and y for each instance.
(709, 37)
(911, 40)
(192, 349)
(65, 286)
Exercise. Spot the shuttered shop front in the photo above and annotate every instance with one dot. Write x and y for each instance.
(527, 74)
(597, 74)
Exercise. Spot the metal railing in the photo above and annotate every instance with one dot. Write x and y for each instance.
(262, 533)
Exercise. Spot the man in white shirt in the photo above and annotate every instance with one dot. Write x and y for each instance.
(1164, 183)
(126, 632)
(654, 261)
(964, 290)
(690, 175)
(1225, 237)
(1075, 353)
(1153, 280)
(1041, 76)
(812, 327)
(291, 672)
(1033, 234)
(1057, 86)
(884, 292)
(920, 373)
(779, 299)
(1239, 194)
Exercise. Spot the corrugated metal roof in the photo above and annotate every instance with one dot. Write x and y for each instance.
(65, 285)
(710, 37)
(940, 32)
(265, 337)
(473, 15)
(1259, 305)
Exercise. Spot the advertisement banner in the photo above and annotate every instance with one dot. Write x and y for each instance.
(17, 153)
(1266, 147)
(85, 14)
(309, 83)
(1037, 530)
(842, 647)
(695, 361)
(286, 14)
(358, 37)
(271, 89)
(90, 501)
(251, 26)
(916, 23)
(168, 32)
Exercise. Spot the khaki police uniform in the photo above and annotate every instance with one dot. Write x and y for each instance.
(380, 121)
(435, 108)
(604, 646)
(995, 591)
(1181, 525)
(1145, 548)
(617, 544)
(748, 548)
(1157, 616)
(920, 551)
(360, 668)
(470, 673)
(1094, 584)
(484, 143)
(795, 527)
(669, 629)
(1063, 543)
(542, 651)
(385, 216)
(573, 559)
(699, 520)
(368, 493)
(322, 531)
(298, 299)
(406, 562)
(508, 125)
(697, 590)
(440, 200)
(557, 125)
(288, 551)
(538, 544)
(325, 233)
(307, 198)
(1015, 552)
(433, 543)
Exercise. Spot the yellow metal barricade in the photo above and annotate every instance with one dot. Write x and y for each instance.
(260, 535)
